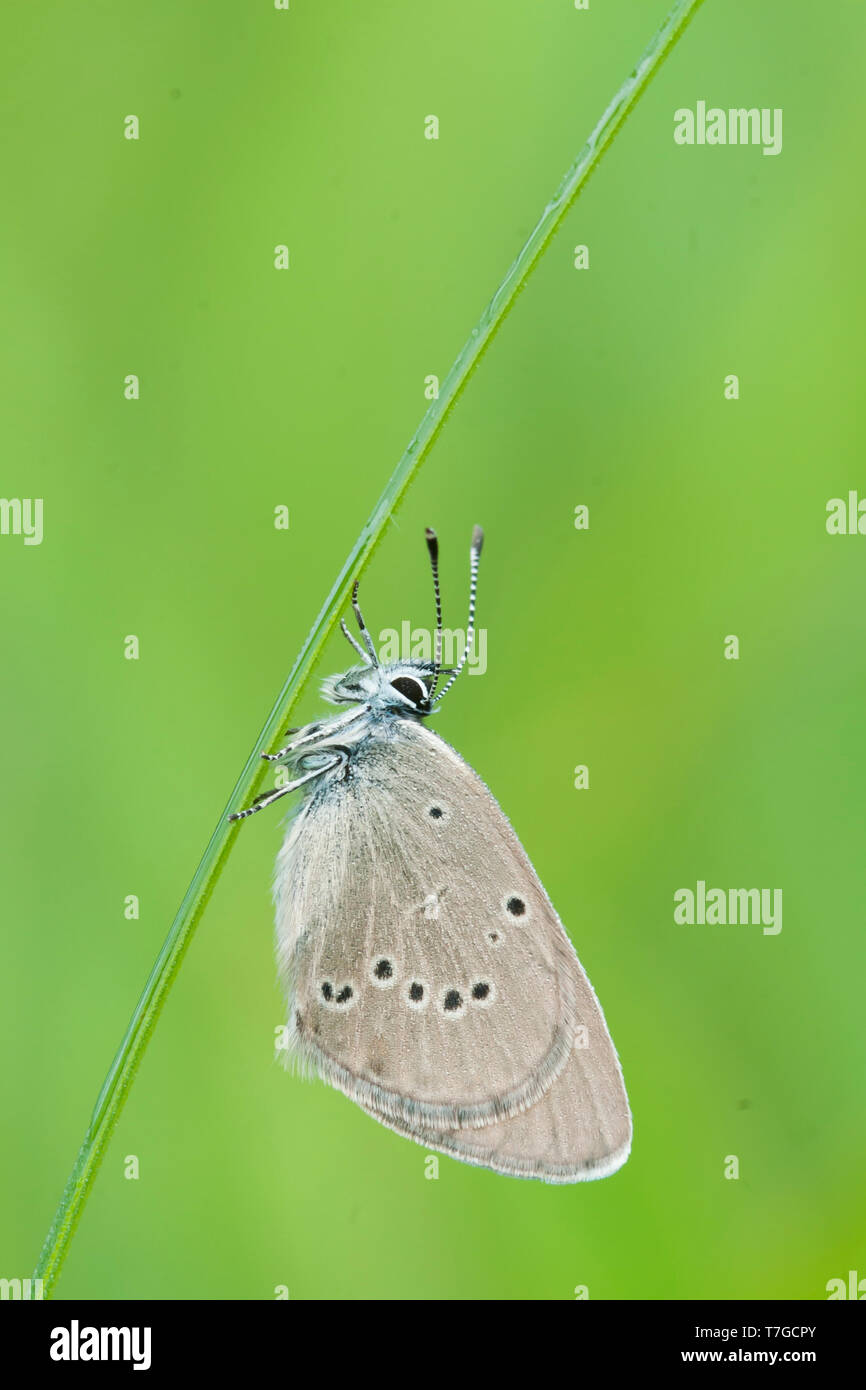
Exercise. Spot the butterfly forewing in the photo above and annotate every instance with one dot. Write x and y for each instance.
(429, 977)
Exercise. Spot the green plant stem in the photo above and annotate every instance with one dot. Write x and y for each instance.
(122, 1072)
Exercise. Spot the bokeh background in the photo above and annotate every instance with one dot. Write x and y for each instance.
(605, 647)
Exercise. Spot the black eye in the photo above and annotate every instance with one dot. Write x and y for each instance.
(411, 688)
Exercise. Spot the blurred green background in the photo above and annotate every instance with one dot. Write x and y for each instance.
(605, 647)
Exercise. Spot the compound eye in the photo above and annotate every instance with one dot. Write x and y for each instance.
(412, 688)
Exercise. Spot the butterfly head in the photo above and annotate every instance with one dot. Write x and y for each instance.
(405, 687)
(401, 689)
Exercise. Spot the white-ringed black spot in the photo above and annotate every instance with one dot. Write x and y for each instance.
(336, 996)
(383, 972)
(436, 812)
(516, 906)
(417, 995)
(451, 1002)
(483, 993)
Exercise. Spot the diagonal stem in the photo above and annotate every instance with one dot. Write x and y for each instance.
(121, 1074)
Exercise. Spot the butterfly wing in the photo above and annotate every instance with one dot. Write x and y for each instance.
(428, 975)
(579, 1130)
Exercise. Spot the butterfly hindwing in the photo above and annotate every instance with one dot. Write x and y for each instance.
(580, 1128)
(429, 977)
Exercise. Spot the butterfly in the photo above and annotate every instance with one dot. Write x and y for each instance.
(426, 972)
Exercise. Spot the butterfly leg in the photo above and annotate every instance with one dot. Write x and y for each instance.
(267, 798)
(314, 732)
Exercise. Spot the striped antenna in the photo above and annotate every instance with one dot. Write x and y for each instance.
(358, 648)
(368, 641)
(433, 547)
(474, 559)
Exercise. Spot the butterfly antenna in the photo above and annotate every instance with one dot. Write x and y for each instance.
(358, 648)
(368, 641)
(433, 547)
(474, 560)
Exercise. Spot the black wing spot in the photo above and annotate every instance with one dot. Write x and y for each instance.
(493, 936)
(383, 969)
(345, 994)
(516, 906)
(436, 812)
(416, 995)
(452, 1001)
(481, 990)
(327, 991)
